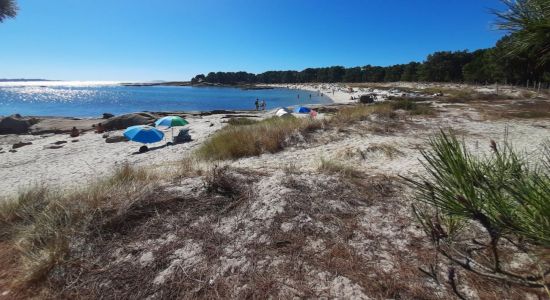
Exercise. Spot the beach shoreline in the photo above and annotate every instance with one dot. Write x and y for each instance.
(48, 155)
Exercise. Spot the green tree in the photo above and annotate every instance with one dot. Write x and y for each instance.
(529, 23)
(8, 9)
(410, 72)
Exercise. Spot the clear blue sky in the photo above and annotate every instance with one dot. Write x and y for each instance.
(177, 39)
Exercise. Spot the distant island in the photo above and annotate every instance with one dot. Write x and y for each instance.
(244, 86)
(22, 80)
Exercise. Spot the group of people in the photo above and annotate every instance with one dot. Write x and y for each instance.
(260, 105)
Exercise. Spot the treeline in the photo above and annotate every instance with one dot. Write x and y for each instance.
(493, 65)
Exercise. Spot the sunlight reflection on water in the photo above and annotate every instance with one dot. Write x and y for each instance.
(90, 100)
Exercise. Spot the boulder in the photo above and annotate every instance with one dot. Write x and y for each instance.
(107, 115)
(20, 144)
(125, 121)
(366, 99)
(53, 147)
(15, 124)
(115, 139)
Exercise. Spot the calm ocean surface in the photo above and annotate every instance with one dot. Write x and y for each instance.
(82, 99)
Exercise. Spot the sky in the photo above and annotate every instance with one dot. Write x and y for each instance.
(144, 40)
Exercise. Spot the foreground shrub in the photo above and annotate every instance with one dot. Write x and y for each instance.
(267, 136)
(40, 222)
(483, 211)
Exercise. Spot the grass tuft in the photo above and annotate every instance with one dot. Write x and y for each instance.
(40, 223)
(241, 121)
(266, 136)
(335, 167)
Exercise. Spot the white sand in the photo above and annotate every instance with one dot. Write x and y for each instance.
(78, 163)
(89, 158)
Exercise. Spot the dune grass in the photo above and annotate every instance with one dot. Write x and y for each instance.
(266, 136)
(361, 112)
(242, 121)
(332, 166)
(40, 222)
(385, 110)
(412, 107)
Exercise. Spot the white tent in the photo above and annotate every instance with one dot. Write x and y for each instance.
(281, 112)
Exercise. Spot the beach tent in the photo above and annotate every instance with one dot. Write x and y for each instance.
(281, 112)
(302, 110)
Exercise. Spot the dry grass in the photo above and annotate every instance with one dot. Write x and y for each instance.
(335, 167)
(524, 109)
(242, 121)
(336, 242)
(362, 112)
(388, 150)
(382, 110)
(267, 136)
(40, 223)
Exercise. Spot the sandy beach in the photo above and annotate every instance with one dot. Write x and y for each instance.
(228, 219)
(75, 161)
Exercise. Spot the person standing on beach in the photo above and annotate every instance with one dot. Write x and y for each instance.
(257, 103)
(263, 104)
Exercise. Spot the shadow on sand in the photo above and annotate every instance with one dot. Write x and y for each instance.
(149, 149)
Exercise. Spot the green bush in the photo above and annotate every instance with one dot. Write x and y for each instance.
(503, 193)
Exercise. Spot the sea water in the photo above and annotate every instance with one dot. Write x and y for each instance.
(92, 99)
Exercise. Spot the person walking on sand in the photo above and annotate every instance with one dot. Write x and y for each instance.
(263, 105)
(257, 103)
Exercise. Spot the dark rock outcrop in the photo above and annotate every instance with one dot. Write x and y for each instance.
(107, 116)
(367, 99)
(15, 124)
(115, 139)
(124, 121)
(20, 144)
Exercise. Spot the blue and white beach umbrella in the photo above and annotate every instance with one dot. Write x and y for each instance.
(143, 134)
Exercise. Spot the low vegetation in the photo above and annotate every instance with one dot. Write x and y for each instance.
(242, 121)
(336, 167)
(40, 223)
(384, 110)
(388, 150)
(489, 215)
(534, 109)
(266, 136)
